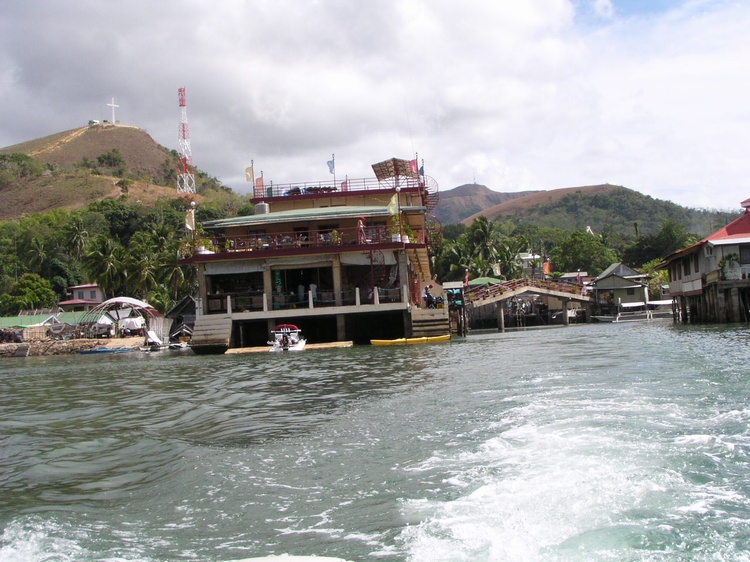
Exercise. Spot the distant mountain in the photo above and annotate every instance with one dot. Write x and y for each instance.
(603, 208)
(469, 199)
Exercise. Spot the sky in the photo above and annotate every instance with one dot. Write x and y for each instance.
(516, 95)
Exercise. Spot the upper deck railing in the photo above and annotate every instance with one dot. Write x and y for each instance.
(271, 190)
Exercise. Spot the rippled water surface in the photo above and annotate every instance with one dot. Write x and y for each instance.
(593, 442)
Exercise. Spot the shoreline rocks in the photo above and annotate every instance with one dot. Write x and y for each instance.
(54, 347)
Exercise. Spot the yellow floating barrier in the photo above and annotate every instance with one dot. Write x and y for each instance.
(408, 341)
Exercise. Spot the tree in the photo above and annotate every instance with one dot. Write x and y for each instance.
(671, 237)
(31, 291)
(77, 236)
(584, 251)
(111, 159)
(483, 239)
(104, 263)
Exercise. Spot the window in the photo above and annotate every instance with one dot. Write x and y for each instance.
(79, 294)
(631, 292)
(745, 254)
(92, 295)
(696, 262)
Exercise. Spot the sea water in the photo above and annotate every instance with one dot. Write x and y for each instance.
(590, 442)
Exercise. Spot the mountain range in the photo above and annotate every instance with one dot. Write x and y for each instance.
(89, 163)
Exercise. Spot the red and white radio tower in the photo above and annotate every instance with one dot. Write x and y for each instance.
(185, 179)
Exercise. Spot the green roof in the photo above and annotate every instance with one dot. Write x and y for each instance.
(320, 213)
(485, 281)
(32, 320)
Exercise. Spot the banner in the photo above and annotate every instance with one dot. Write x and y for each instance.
(393, 205)
(190, 219)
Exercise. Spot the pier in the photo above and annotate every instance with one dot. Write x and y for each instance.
(496, 295)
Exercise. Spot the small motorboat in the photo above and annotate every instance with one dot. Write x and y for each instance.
(105, 349)
(286, 337)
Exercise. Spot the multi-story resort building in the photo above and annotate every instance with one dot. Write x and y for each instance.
(344, 262)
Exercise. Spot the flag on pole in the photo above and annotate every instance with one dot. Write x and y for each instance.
(249, 174)
(421, 170)
(331, 166)
(259, 186)
(413, 166)
(345, 184)
(190, 219)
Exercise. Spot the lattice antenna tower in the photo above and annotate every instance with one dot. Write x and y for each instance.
(185, 179)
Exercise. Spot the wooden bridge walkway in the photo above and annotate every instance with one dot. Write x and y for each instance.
(488, 294)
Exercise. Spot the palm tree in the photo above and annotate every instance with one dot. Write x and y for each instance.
(144, 262)
(511, 260)
(78, 237)
(483, 238)
(37, 254)
(460, 257)
(104, 264)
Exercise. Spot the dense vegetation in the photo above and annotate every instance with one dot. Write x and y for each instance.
(487, 248)
(133, 250)
(128, 249)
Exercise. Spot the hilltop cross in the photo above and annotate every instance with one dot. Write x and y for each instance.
(112, 105)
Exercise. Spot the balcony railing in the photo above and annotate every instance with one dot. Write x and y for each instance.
(228, 303)
(301, 240)
(271, 190)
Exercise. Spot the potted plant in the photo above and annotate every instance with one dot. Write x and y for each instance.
(730, 266)
(201, 242)
(401, 232)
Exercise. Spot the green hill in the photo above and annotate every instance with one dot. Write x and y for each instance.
(73, 168)
(603, 208)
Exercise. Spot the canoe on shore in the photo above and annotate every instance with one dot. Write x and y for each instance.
(408, 341)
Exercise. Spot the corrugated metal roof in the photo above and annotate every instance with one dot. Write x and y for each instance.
(26, 321)
(319, 213)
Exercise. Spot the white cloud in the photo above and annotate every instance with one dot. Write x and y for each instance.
(524, 95)
(604, 8)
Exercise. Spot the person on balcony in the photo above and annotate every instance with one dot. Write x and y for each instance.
(361, 237)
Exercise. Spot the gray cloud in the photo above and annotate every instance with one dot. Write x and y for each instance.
(519, 95)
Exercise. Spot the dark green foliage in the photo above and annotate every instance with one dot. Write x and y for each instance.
(246, 210)
(453, 231)
(122, 218)
(30, 291)
(14, 167)
(209, 212)
(671, 237)
(584, 251)
(111, 159)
